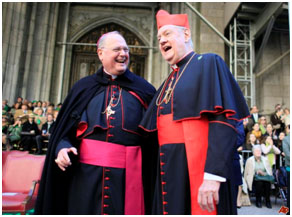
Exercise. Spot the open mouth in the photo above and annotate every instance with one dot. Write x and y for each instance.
(167, 48)
(121, 60)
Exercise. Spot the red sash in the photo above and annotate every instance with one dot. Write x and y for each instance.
(194, 134)
(107, 154)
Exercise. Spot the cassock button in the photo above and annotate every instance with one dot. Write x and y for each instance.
(106, 187)
(164, 193)
(161, 154)
(162, 173)
(163, 183)
(164, 203)
(165, 213)
(162, 163)
(107, 178)
(106, 196)
(105, 205)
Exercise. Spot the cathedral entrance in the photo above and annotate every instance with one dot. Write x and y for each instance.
(85, 60)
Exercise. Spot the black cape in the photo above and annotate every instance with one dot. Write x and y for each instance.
(53, 190)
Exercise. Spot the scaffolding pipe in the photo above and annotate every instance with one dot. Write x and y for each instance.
(230, 44)
(273, 63)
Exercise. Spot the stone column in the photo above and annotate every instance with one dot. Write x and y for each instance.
(13, 43)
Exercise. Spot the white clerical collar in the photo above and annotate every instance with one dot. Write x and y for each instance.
(113, 76)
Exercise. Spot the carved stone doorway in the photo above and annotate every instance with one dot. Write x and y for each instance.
(85, 60)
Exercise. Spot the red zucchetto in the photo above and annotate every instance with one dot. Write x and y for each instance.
(164, 18)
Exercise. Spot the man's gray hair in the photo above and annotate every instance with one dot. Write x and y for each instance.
(102, 39)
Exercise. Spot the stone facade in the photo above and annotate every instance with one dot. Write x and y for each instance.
(37, 66)
(273, 87)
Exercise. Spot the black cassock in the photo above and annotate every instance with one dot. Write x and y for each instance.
(84, 188)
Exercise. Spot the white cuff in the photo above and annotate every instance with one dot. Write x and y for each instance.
(209, 176)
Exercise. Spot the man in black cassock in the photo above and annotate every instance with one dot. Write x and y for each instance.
(93, 163)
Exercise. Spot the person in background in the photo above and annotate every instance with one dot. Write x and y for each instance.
(254, 118)
(46, 132)
(263, 124)
(270, 150)
(251, 142)
(279, 145)
(286, 117)
(257, 132)
(286, 150)
(258, 164)
(28, 134)
(277, 121)
(13, 134)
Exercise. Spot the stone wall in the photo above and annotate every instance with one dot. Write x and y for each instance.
(273, 86)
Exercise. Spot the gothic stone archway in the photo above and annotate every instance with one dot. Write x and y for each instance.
(85, 60)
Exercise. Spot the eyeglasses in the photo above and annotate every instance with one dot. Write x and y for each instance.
(118, 49)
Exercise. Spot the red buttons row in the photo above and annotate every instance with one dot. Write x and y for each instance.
(161, 154)
(105, 205)
(106, 187)
(110, 135)
(165, 213)
(107, 178)
(162, 163)
(106, 196)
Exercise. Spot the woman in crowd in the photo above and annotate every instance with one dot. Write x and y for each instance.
(263, 124)
(270, 150)
(279, 145)
(256, 131)
(252, 140)
(258, 166)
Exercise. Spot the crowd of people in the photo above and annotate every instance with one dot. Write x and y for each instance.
(27, 125)
(263, 152)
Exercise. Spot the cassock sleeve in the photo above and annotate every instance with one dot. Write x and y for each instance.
(221, 145)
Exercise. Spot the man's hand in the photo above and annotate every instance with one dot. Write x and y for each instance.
(63, 159)
(208, 192)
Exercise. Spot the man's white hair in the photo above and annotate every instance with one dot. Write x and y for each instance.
(182, 29)
(255, 147)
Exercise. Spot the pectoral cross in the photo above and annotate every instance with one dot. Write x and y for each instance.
(108, 111)
(168, 92)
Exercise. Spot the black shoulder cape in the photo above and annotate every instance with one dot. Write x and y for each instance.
(206, 86)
